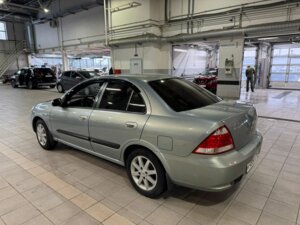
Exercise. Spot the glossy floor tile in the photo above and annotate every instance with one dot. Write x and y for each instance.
(66, 186)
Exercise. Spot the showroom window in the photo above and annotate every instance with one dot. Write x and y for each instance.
(188, 62)
(285, 68)
(3, 32)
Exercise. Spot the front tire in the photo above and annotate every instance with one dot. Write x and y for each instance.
(146, 173)
(60, 88)
(13, 84)
(44, 136)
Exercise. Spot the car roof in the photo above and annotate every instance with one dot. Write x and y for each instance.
(144, 77)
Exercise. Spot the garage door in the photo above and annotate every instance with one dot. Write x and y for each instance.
(249, 60)
(285, 68)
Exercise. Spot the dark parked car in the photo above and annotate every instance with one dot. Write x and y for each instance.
(33, 78)
(208, 80)
(70, 78)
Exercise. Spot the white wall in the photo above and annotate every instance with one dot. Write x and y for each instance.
(180, 7)
(80, 28)
(156, 57)
(45, 36)
(212, 15)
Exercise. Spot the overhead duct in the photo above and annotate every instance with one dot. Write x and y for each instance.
(261, 30)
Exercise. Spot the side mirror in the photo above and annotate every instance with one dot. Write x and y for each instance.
(57, 102)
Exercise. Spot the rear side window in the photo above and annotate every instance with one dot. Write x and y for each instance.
(122, 96)
(182, 95)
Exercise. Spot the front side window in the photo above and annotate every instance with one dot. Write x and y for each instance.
(76, 76)
(83, 96)
(85, 74)
(67, 74)
(181, 95)
(122, 96)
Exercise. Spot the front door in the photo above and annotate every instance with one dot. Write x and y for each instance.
(118, 119)
(70, 122)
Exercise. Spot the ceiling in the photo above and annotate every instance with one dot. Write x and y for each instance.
(35, 8)
(26, 8)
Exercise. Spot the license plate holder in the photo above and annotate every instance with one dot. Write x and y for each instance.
(251, 164)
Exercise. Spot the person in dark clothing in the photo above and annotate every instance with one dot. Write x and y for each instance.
(250, 74)
(111, 71)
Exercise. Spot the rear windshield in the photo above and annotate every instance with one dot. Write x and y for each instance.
(182, 95)
(43, 71)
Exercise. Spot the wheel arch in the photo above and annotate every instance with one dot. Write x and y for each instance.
(149, 148)
(35, 119)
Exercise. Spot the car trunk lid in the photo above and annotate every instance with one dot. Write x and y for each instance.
(44, 75)
(240, 118)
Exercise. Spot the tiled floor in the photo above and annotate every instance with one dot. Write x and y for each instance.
(66, 186)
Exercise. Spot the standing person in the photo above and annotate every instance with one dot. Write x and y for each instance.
(250, 74)
(111, 71)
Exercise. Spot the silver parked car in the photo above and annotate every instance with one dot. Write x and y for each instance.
(162, 129)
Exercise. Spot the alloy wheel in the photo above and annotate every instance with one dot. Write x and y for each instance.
(41, 134)
(144, 173)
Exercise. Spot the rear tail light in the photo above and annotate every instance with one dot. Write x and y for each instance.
(218, 142)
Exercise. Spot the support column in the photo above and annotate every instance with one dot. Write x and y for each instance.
(230, 65)
(65, 60)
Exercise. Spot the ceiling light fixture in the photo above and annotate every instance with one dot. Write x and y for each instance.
(267, 38)
(1, 2)
(45, 10)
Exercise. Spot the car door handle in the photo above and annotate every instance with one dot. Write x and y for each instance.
(83, 117)
(131, 124)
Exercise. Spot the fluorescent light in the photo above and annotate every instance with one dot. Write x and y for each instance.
(267, 38)
(179, 50)
(45, 10)
(1, 1)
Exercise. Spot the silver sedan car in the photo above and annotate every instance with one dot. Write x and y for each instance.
(163, 129)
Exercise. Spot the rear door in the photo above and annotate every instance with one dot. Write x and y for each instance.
(118, 119)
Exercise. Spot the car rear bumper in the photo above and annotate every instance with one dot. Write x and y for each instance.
(213, 173)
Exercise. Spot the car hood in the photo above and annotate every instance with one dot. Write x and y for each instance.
(239, 117)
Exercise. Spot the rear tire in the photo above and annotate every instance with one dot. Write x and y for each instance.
(44, 136)
(30, 84)
(146, 173)
(60, 88)
(13, 84)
